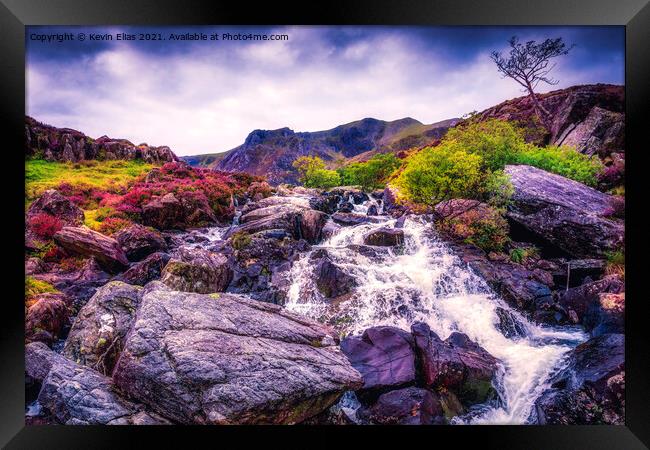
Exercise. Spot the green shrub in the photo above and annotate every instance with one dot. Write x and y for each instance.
(490, 234)
(563, 161)
(615, 263)
(371, 174)
(34, 287)
(498, 142)
(240, 240)
(440, 173)
(313, 173)
(521, 254)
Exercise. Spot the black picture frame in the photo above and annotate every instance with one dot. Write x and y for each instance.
(633, 14)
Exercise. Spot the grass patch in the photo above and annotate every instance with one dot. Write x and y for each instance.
(112, 176)
(34, 287)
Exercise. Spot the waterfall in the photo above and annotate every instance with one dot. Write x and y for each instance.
(426, 282)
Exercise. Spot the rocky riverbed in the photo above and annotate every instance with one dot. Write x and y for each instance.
(331, 307)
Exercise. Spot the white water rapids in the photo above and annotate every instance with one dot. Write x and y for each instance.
(427, 282)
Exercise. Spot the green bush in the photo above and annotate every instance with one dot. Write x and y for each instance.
(240, 240)
(563, 161)
(521, 254)
(313, 173)
(439, 173)
(489, 234)
(498, 142)
(371, 174)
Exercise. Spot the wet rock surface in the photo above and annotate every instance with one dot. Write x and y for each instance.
(197, 270)
(591, 389)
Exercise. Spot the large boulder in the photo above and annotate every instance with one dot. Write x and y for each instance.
(76, 395)
(569, 215)
(197, 270)
(297, 220)
(85, 242)
(591, 389)
(171, 212)
(384, 237)
(147, 270)
(98, 333)
(53, 203)
(330, 279)
(138, 241)
(383, 355)
(457, 364)
(407, 406)
(225, 359)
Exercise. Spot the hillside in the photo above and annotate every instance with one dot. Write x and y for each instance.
(271, 152)
(65, 144)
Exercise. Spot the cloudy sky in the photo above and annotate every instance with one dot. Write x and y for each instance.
(206, 96)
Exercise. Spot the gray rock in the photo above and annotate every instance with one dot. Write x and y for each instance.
(98, 333)
(197, 270)
(225, 359)
(563, 212)
(77, 395)
(138, 242)
(86, 242)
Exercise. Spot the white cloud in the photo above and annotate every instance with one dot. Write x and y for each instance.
(209, 98)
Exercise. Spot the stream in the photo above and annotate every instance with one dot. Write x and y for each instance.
(425, 281)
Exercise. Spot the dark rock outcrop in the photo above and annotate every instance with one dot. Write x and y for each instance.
(223, 359)
(384, 237)
(98, 333)
(563, 212)
(407, 406)
(298, 221)
(46, 318)
(86, 242)
(457, 364)
(169, 212)
(384, 356)
(53, 203)
(197, 270)
(138, 242)
(584, 298)
(330, 279)
(591, 390)
(65, 144)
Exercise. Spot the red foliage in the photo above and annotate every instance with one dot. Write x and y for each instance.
(44, 225)
(113, 225)
(54, 254)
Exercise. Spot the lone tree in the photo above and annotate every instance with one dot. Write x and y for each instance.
(528, 65)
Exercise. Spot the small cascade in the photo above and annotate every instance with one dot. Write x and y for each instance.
(426, 281)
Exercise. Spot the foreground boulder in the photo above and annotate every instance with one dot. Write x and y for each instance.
(225, 359)
(407, 406)
(607, 315)
(567, 214)
(53, 203)
(138, 242)
(591, 390)
(98, 333)
(383, 355)
(457, 364)
(581, 299)
(197, 270)
(73, 394)
(86, 242)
